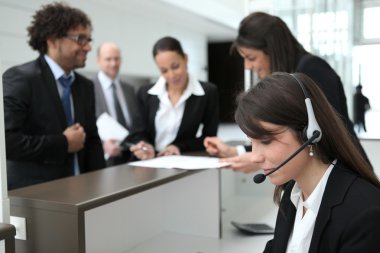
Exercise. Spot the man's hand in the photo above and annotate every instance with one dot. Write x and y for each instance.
(112, 148)
(76, 137)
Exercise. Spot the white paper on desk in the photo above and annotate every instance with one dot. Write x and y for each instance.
(109, 128)
(182, 162)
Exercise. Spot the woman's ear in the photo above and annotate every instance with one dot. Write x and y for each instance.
(301, 134)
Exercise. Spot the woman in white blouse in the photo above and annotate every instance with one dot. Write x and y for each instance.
(177, 112)
(328, 196)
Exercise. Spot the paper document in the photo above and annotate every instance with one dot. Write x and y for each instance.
(109, 128)
(182, 162)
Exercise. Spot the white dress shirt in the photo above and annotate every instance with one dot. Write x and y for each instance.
(58, 72)
(240, 149)
(168, 117)
(106, 84)
(300, 239)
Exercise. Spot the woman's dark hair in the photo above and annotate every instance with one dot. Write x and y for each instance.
(270, 34)
(167, 44)
(278, 99)
(54, 21)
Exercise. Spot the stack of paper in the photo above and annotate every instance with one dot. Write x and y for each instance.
(182, 162)
(109, 128)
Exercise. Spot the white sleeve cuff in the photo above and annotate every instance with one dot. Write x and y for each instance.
(240, 149)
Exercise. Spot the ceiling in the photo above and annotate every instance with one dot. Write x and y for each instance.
(217, 19)
(224, 12)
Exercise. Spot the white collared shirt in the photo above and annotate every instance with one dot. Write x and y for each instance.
(58, 72)
(168, 117)
(106, 84)
(300, 239)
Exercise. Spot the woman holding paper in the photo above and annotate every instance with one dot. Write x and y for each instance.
(177, 112)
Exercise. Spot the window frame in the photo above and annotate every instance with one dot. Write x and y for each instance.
(360, 5)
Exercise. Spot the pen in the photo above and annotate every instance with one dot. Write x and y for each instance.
(127, 145)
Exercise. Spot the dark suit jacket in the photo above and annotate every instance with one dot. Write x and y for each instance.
(101, 104)
(36, 149)
(328, 80)
(198, 110)
(101, 107)
(348, 219)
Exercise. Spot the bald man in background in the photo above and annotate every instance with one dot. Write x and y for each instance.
(115, 97)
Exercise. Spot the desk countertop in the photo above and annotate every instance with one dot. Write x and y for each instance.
(93, 189)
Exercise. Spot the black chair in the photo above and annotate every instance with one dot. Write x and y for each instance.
(7, 233)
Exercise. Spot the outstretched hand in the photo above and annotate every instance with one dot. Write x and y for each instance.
(216, 147)
(241, 163)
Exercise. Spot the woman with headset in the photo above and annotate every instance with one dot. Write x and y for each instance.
(267, 45)
(328, 196)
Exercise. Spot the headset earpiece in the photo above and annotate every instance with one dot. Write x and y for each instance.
(312, 127)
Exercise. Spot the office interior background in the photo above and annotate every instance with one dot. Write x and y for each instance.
(344, 32)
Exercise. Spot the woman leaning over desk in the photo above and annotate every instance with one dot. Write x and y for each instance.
(172, 110)
(329, 198)
(267, 45)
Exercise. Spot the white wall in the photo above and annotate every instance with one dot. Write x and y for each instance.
(134, 25)
(371, 147)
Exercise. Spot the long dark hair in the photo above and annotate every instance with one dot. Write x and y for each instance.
(270, 34)
(278, 99)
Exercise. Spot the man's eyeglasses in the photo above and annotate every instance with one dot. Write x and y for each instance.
(79, 38)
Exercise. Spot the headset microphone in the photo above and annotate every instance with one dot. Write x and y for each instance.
(311, 134)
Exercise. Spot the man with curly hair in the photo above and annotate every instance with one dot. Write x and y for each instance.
(49, 109)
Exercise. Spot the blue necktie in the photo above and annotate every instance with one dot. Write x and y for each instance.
(66, 82)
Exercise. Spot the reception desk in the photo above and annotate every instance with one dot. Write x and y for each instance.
(116, 209)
